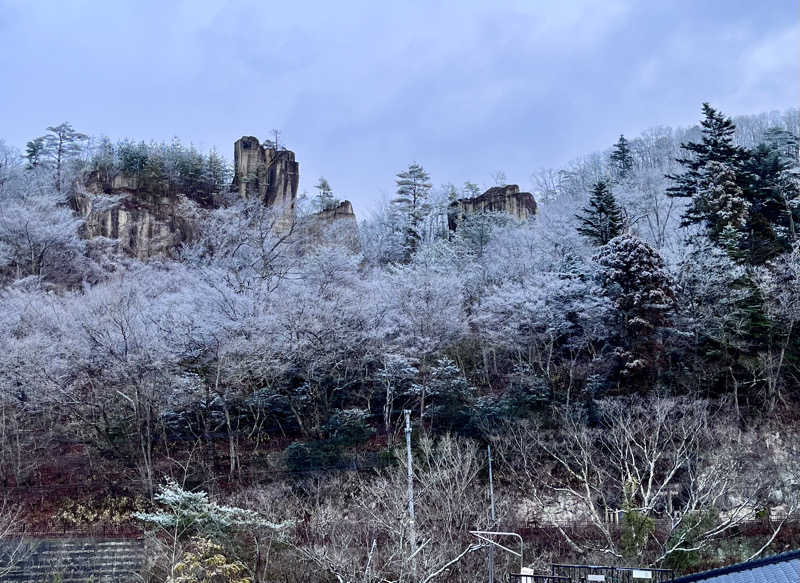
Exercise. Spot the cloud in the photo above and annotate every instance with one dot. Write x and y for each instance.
(360, 88)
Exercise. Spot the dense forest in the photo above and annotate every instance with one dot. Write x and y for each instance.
(630, 354)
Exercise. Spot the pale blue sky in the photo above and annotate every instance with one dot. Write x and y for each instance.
(360, 89)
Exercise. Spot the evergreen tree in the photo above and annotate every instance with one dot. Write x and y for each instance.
(471, 190)
(603, 219)
(772, 189)
(413, 189)
(745, 199)
(699, 181)
(325, 199)
(445, 398)
(34, 152)
(720, 202)
(621, 159)
(634, 277)
(217, 173)
(61, 144)
(784, 142)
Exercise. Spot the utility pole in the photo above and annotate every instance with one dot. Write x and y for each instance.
(491, 502)
(412, 527)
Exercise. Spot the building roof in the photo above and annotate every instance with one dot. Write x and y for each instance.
(783, 568)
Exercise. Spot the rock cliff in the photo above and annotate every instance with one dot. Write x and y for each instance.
(336, 225)
(151, 219)
(145, 224)
(506, 199)
(269, 174)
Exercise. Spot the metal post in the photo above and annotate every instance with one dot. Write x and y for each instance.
(412, 527)
(491, 502)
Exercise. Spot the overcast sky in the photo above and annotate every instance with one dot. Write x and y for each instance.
(360, 89)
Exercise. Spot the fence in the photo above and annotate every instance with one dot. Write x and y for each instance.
(562, 573)
(521, 578)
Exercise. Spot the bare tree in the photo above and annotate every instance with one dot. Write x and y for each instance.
(13, 548)
(357, 528)
(674, 470)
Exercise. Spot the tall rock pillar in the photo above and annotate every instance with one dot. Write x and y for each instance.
(269, 174)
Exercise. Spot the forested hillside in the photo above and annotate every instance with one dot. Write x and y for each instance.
(631, 353)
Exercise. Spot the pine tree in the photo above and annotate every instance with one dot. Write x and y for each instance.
(745, 199)
(634, 277)
(413, 189)
(720, 202)
(772, 189)
(784, 142)
(716, 147)
(35, 152)
(61, 144)
(471, 190)
(603, 219)
(325, 199)
(621, 159)
(217, 173)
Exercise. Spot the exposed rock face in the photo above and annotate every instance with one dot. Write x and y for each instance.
(334, 225)
(148, 221)
(271, 175)
(506, 199)
(145, 224)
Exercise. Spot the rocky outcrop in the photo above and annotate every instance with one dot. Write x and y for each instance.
(336, 225)
(152, 220)
(269, 174)
(506, 199)
(145, 224)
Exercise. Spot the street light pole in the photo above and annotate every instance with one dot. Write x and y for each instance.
(491, 502)
(412, 527)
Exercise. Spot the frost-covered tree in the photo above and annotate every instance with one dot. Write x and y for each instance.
(39, 238)
(720, 203)
(712, 178)
(413, 190)
(634, 277)
(621, 159)
(772, 188)
(191, 530)
(475, 230)
(395, 378)
(717, 144)
(602, 219)
(35, 152)
(249, 242)
(61, 144)
(325, 198)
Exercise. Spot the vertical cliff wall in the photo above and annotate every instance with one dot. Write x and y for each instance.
(335, 225)
(506, 199)
(145, 224)
(148, 219)
(269, 174)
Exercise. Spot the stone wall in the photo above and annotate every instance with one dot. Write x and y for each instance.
(71, 560)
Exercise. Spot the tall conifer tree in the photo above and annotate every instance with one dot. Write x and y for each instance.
(621, 159)
(603, 219)
(413, 188)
